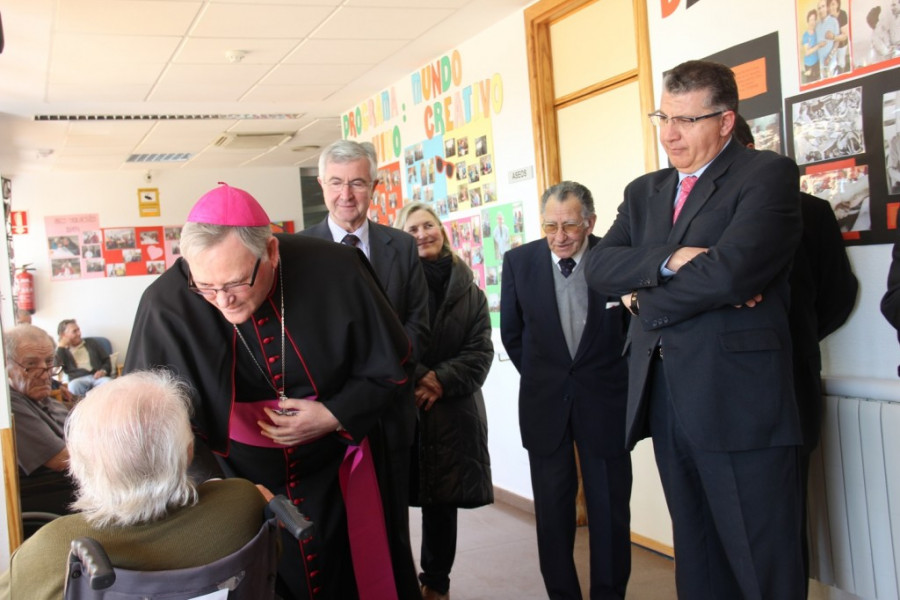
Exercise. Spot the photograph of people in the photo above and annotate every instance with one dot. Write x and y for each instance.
(828, 126)
(875, 31)
(890, 109)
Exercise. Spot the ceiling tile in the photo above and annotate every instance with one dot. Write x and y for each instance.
(96, 94)
(212, 51)
(260, 20)
(126, 17)
(318, 74)
(335, 52)
(381, 23)
(75, 51)
(299, 92)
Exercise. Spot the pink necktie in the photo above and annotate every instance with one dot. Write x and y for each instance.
(687, 184)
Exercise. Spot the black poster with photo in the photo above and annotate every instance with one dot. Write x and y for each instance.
(846, 140)
(756, 67)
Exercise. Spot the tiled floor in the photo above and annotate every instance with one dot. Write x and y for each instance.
(496, 559)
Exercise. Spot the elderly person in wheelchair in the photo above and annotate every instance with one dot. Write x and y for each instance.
(130, 444)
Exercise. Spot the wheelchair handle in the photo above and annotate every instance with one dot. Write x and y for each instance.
(95, 562)
(297, 524)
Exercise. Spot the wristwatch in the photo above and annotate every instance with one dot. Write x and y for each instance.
(633, 306)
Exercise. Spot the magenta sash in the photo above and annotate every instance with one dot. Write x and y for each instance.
(243, 425)
(365, 523)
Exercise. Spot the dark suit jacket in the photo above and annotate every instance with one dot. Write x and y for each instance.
(395, 259)
(99, 360)
(823, 292)
(890, 303)
(553, 386)
(728, 369)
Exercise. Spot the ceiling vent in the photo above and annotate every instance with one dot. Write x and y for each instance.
(170, 117)
(160, 157)
(252, 141)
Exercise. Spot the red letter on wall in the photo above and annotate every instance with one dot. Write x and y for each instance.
(669, 6)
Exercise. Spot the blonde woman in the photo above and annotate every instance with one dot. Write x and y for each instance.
(452, 463)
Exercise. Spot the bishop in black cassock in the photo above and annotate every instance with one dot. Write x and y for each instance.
(344, 351)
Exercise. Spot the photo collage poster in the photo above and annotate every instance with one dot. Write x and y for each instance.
(434, 140)
(846, 141)
(80, 249)
(455, 174)
(387, 199)
(73, 243)
(837, 40)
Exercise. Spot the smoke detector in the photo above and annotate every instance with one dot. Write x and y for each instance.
(235, 56)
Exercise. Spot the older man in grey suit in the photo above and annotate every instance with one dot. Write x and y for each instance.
(348, 175)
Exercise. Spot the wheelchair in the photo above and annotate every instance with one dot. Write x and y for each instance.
(248, 574)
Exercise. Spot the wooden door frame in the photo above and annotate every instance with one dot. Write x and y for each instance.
(538, 19)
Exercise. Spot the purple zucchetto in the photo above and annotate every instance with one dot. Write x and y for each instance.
(226, 205)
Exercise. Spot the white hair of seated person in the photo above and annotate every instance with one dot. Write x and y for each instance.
(130, 444)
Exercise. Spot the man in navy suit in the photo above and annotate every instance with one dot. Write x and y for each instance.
(566, 341)
(890, 302)
(348, 175)
(823, 293)
(705, 275)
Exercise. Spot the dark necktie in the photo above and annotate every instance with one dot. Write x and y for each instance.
(566, 265)
(350, 240)
(687, 185)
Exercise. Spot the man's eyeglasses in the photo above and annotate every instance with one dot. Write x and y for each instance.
(229, 288)
(53, 370)
(357, 185)
(569, 227)
(659, 119)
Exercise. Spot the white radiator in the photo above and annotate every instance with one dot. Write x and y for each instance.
(854, 495)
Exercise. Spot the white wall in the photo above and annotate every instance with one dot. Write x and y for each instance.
(106, 306)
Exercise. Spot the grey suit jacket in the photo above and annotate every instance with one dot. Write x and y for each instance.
(728, 369)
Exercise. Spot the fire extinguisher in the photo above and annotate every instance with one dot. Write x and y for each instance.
(24, 288)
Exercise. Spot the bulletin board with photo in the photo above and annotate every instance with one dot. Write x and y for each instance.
(73, 243)
(134, 251)
(426, 175)
(846, 140)
(756, 67)
(80, 248)
(387, 199)
(840, 39)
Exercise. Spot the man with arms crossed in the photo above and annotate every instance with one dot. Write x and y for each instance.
(710, 374)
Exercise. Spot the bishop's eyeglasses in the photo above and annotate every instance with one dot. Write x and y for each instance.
(210, 293)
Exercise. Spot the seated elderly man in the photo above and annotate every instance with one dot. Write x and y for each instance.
(130, 443)
(38, 420)
(84, 362)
